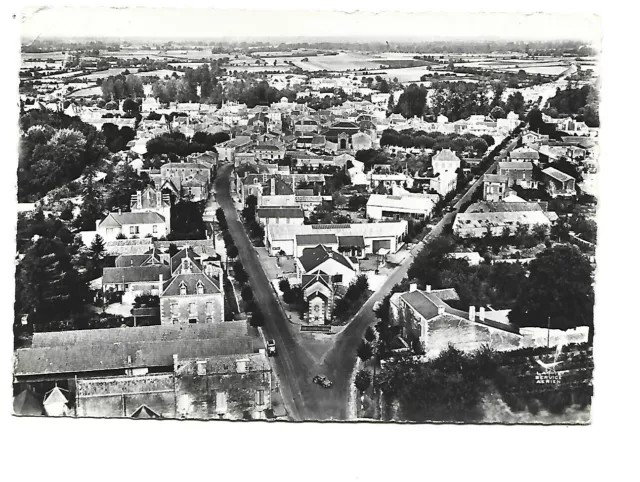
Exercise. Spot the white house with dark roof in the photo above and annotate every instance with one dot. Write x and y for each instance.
(321, 259)
(132, 225)
(135, 280)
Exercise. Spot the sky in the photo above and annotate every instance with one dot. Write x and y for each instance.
(185, 23)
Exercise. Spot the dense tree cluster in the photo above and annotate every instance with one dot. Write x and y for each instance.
(559, 288)
(459, 100)
(116, 138)
(54, 150)
(121, 86)
(580, 102)
(497, 284)
(176, 144)
(412, 102)
(452, 386)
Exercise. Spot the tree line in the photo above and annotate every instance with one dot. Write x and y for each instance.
(437, 140)
(456, 100)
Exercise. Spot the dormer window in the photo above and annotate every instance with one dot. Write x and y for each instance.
(185, 265)
(200, 288)
(183, 288)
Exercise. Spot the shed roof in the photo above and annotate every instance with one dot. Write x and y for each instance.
(558, 175)
(280, 212)
(316, 239)
(351, 241)
(135, 274)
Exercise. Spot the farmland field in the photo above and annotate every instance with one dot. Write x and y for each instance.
(87, 92)
(102, 74)
(341, 62)
(259, 68)
(44, 56)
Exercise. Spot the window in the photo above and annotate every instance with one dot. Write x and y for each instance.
(183, 289)
(155, 228)
(201, 367)
(193, 310)
(241, 366)
(209, 308)
(174, 312)
(221, 402)
(259, 397)
(134, 229)
(200, 288)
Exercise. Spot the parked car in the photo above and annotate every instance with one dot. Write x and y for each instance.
(323, 381)
(271, 348)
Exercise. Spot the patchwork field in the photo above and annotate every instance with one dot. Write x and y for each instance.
(87, 92)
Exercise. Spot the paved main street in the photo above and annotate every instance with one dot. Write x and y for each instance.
(295, 366)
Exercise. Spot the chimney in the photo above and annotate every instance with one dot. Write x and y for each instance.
(273, 186)
(161, 282)
(175, 360)
(413, 287)
(158, 198)
(472, 313)
(139, 199)
(119, 211)
(128, 359)
(481, 313)
(428, 289)
(441, 309)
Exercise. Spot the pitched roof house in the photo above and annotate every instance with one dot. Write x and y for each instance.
(559, 183)
(321, 259)
(425, 317)
(194, 293)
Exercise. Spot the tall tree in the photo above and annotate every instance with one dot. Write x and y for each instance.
(559, 288)
(92, 203)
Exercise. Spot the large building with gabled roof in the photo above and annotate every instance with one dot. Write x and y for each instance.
(194, 293)
(132, 225)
